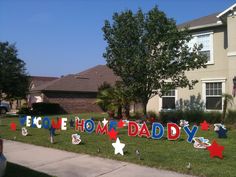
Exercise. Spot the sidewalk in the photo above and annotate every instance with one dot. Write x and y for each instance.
(67, 164)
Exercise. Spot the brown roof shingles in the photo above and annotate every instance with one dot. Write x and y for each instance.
(86, 81)
(206, 20)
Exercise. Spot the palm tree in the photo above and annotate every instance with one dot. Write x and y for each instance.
(227, 100)
(113, 98)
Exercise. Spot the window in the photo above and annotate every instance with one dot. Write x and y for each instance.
(168, 100)
(213, 96)
(207, 44)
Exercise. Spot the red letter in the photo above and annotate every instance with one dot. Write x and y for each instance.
(56, 125)
(132, 125)
(79, 125)
(170, 135)
(101, 130)
(144, 131)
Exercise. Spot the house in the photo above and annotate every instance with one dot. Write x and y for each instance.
(75, 93)
(217, 33)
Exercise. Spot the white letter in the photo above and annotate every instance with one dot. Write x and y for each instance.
(28, 121)
(63, 123)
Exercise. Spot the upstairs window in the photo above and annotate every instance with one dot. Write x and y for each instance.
(206, 40)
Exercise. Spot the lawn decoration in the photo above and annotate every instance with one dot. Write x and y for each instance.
(112, 134)
(217, 127)
(204, 125)
(201, 143)
(72, 123)
(118, 147)
(137, 152)
(104, 121)
(75, 139)
(126, 122)
(24, 131)
(221, 130)
(52, 134)
(183, 123)
(216, 150)
(13, 126)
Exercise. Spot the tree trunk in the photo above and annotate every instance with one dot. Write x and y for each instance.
(119, 112)
(127, 109)
(145, 107)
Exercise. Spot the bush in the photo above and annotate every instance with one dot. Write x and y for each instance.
(231, 117)
(25, 111)
(171, 116)
(46, 108)
(191, 116)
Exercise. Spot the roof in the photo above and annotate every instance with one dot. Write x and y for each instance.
(210, 20)
(39, 80)
(231, 8)
(86, 81)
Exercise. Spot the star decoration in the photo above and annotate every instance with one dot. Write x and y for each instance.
(121, 124)
(112, 134)
(104, 121)
(222, 133)
(72, 123)
(118, 147)
(204, 125)
(13, 126)
(215, 150)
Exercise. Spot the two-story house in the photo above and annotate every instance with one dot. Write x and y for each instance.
(217, 33)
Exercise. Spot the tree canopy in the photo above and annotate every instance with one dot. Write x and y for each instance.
(13, 75)
(150, 53)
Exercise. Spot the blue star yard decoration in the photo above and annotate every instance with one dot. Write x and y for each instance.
(222, 132)
(72, 123)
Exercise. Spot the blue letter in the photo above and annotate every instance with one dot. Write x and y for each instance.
(156, 125)
(22, 120)
(46, 123)
(192, 133)
(89, 126)
(113, 124)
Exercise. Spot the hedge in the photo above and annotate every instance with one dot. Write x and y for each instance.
(42, 109)
(191, 116)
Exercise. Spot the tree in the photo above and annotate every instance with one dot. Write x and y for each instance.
(13, 76)
(112, 98)
(150, 53)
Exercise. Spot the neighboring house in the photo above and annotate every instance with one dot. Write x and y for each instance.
(217, 33)
(36, 81)
(75, 93)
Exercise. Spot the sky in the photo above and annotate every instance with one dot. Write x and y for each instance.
(60, 37)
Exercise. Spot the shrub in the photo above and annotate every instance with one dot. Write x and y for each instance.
(231, 117)
(47, 108)
(191, 116)
(24, 111)
(170, 116)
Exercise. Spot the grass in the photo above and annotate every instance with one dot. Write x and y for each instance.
(163, 154)
(14, 170)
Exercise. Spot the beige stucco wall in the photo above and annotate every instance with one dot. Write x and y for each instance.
(224, 67)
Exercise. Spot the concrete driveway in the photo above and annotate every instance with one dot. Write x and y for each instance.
(67, 164)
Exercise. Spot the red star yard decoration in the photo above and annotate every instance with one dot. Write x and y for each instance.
(215, 150)
(112, 134)
(13, 126)
(204, 125)
(121, 124)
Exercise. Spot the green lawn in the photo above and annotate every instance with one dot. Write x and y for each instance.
(14, 170)
(164, 154)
